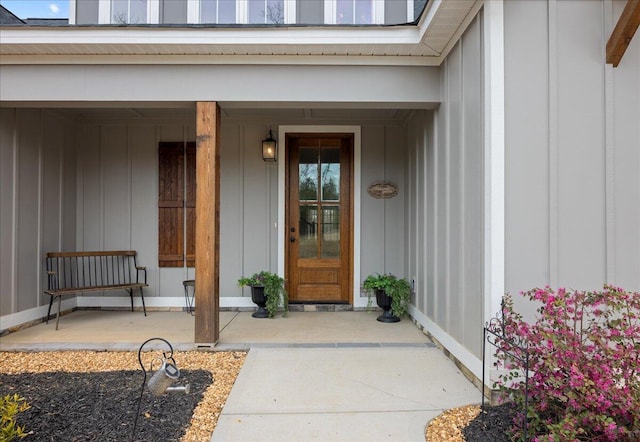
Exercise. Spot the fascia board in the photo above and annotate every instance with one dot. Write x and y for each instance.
(431, 17)
(218, 36)
(427, 18)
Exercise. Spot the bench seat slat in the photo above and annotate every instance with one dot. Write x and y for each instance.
(70, 290)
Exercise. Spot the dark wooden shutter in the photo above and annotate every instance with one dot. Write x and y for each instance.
(171, 204)
(191, 204)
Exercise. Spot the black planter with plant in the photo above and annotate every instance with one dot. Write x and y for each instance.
(393, 295)
(267, 292)
(258, 297)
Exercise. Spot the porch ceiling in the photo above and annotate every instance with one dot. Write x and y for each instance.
(425, 44)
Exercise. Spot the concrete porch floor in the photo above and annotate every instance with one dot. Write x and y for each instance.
(125, 330)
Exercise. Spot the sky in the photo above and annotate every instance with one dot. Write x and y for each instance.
(37, 8)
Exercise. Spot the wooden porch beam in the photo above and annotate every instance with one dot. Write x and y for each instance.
(207, 223)
(623, 32)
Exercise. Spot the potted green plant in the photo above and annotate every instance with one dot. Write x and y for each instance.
(393, 295)
(268, 292)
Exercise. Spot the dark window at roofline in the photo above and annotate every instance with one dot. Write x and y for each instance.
(177, 13)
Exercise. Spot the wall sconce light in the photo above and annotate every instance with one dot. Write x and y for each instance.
(269, 148)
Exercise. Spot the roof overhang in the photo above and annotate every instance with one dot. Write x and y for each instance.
(424, 44)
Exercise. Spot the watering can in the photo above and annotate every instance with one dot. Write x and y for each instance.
(163, 379)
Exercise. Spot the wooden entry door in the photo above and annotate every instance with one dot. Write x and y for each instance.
(319, 217)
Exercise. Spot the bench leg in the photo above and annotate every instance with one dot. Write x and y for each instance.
(58, 315)
(144, 308)
(130, 296)
(50, 305)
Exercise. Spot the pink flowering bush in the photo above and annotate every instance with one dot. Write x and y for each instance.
(584, 364)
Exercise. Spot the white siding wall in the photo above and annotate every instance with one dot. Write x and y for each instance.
(37, 201)
(572, 148)
(445, 227)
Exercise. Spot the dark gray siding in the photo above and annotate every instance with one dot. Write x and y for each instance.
(395, 11)
(87, 12)
(174, 12)
(310, 12)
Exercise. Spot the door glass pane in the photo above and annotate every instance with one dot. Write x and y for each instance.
(308, 174)
(308, 232)
(331, 232)
(330, 166)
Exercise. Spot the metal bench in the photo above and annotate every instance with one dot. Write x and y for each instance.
(74, 272)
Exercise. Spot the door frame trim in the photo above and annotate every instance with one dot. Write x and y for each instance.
(357, 301)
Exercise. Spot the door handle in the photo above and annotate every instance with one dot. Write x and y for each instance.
(292, 239)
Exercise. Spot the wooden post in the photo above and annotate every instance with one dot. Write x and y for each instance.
(207, 223)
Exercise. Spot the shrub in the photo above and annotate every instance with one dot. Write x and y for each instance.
(10, 406)
(584, 362)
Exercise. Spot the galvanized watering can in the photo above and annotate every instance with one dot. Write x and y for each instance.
(162, 380)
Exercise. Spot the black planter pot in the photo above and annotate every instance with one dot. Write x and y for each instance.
(384, 302)
(259, 298)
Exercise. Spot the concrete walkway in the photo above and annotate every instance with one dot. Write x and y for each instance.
(388, 393)
(314, 376)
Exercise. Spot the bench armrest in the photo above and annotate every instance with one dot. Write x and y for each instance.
(141, 269)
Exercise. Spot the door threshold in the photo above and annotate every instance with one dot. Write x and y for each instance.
(319, 307)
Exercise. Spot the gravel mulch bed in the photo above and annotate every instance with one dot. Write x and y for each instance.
(87, 396)
(469, 424)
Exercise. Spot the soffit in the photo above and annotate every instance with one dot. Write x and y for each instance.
(426, 43)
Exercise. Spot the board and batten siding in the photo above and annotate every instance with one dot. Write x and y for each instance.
(118, 172)
(572, 148)
(249, 198)
(103, 174)
(445, 205)
(37, 201)
(118, 193)
(382, 226)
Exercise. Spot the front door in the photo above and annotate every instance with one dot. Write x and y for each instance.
(319, 217)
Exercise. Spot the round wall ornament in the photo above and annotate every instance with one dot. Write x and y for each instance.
(382, 189)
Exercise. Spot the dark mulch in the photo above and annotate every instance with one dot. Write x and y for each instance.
(102, 406)
(491, 425)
